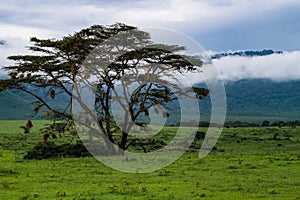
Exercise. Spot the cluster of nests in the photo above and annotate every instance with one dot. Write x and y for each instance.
(29, 125)
(15, 75)
(156, 110)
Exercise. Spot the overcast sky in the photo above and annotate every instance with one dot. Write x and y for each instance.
(218, 25)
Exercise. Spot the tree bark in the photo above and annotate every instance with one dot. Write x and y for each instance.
(123, 143)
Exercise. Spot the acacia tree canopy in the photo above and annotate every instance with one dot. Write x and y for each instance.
(132, 62)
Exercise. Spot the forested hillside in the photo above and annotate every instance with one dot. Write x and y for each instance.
(247, 100)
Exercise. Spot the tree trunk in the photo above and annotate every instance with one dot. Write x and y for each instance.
(122, 145)
(111, 150)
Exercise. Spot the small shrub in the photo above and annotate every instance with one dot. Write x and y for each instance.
(5, 185)
(233, 167)
(202, 195)
(200, 135)
(113, 188)
(273, 191)
(144, 189)
(57, 151)
(61, 194)
(201, 161)
(24, 197)
(164, 172)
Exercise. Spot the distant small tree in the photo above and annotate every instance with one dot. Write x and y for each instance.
(274, 123)
(265, 123)
(281, 124)
(55, 65)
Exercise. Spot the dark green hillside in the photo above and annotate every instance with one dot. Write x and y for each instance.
(263, 99)
(13, 105)
(17, 105)
(257, 100)
(247, 100)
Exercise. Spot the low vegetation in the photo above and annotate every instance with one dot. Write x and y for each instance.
(246, 163)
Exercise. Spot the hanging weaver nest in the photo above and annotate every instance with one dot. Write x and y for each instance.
(74, 69)
(36, 109)
(201, 96)
(13, 75)
(21, 76)
(47, 114)
(52, 93)
(165, 114)
(29, 124)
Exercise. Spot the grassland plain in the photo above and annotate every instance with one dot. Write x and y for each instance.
(248, 163)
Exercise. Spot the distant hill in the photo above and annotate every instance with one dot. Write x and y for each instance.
(19, 105)
(14, 105)
(258, 99)
(264, 52)
(247, 100)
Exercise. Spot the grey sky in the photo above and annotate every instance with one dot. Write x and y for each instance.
(218, 25)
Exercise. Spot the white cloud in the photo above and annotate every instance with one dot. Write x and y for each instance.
(25, 32)
(16, 39)
(180, 14)
(278, 67)
(11, 47)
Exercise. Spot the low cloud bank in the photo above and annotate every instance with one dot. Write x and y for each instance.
(277, 67)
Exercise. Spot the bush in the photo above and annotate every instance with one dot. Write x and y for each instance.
(57, 151)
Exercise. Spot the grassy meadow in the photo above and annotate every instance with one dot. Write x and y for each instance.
(247, 163)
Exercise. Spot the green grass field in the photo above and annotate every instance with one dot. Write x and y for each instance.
(247, 164)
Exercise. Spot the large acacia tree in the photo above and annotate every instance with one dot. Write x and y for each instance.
(57, 64)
